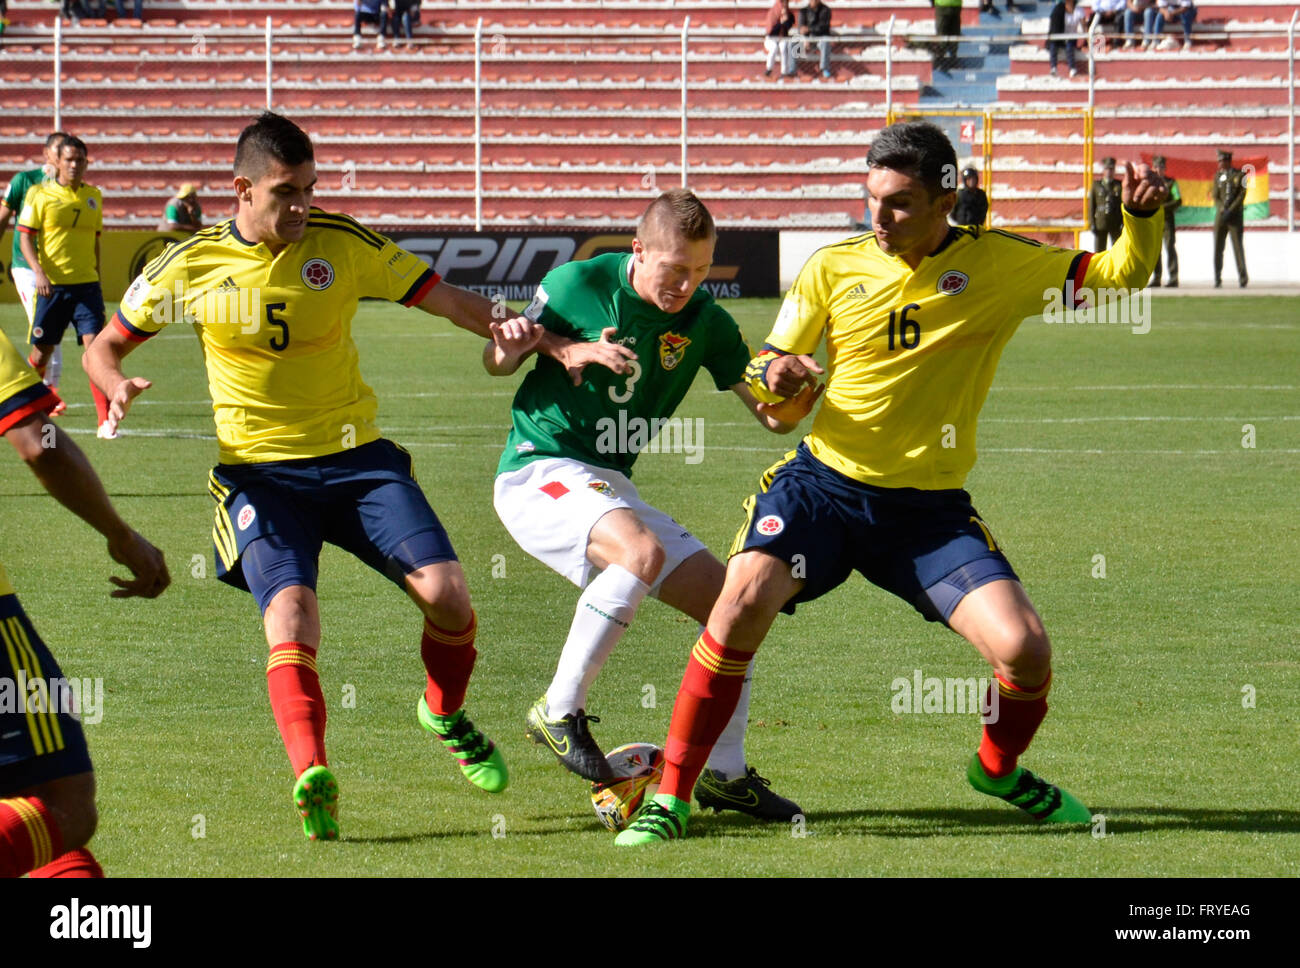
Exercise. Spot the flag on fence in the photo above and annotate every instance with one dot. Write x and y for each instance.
(1196, 179)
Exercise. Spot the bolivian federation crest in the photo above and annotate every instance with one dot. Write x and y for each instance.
(671, 349)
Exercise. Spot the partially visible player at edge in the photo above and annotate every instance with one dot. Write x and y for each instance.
(23, 276)
(915, 315)
(272, 293)
(47, 786)
(563, 487)
(58, 229)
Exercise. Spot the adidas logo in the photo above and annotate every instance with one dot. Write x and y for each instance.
(859, 291)
(228, 285)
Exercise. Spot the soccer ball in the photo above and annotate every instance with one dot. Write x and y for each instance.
(640, 767)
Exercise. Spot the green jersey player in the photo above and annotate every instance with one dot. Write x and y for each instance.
(563, 487)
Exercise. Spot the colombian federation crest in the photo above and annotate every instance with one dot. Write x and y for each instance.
(317, 273)
(246, 517)
(671, 350)
(952, 282)
(770, 525)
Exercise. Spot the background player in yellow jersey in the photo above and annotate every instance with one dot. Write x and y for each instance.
(915, 316)
(271, 294)
(21, 273)
(47, 787)
(59, 231)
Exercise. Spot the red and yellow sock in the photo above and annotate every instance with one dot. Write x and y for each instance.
(448, 661)
(29, 837)
(710, 690)
(297, 703)
(1020, 712)
(75, 863)
(40, 370)
(101, 403)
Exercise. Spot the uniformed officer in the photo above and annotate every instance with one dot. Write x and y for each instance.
(1104, 207)
(1229, 193)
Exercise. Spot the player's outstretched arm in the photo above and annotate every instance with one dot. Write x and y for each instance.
(63, 470)
(465, 308)
(783, 417)
(1129, 262)
(103, 364)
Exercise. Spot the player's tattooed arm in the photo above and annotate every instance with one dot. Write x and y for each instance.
(782, 417)
(776, 375)
(63, 469)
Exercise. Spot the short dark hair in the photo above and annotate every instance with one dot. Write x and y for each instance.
(1159, 161)
(919, 149)
(271, 136)
(677, 213)
(56, 139)
(70, 141)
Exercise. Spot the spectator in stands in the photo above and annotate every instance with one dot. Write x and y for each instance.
(1172, 204)
(1104, 207)
(1229, 194)
(972, 206)
(1176, 10)
(1144, 11)
(987, 6)
(947, 23)
(183, 213)
(405, 14)
(138, 10)
(815, 21)
(369, 12)
(779, 21)
(1059, 22)
(73, 11)
(1109, 13)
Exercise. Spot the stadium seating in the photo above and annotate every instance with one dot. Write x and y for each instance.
(569, 125)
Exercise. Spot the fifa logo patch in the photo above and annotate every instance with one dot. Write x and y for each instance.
(671, 350)
(602, 487)
(317, 273)
(952, 282)
(246, 516)
(770, 525)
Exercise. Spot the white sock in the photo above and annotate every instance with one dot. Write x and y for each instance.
(604, 612)
(728, 755)
(54, 369)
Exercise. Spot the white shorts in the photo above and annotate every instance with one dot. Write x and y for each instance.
(25, 283)
(550, 506)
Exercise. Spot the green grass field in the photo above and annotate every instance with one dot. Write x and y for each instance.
(1094, 441)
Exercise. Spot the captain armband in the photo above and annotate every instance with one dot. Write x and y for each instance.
(756, 376)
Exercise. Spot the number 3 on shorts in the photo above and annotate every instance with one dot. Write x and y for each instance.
(632, 377)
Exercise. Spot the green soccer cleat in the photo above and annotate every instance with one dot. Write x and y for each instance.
(746, 794)
(479, 759)
(316, 795)
(664, 818)
(1043, 801)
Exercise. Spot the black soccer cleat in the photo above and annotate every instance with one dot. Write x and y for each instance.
(570, 740)
(747, 794)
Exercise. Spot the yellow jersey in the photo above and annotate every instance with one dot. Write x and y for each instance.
(911, 353)
(276, 330)
(21, 391)
(66, 224)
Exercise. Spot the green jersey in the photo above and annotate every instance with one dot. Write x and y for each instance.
(14, 196)
(611, 418)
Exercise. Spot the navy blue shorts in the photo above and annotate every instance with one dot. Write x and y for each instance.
(39, 738)
(929, 548)
(272, 518)
(81, 305)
